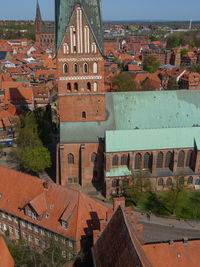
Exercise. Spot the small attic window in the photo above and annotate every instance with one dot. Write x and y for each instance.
(64, 224)
(47, 216)
(51, 207)
(0, 195)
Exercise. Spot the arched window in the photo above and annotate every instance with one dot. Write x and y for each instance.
(76, 87)
(159, 163)
(94, 48)
(168, 160)
(89, 86)
(138, 161)
(83, 115)
(181, 158)
(115, 160)
(190, 180)
(93, 157)
(75, 68)
(65, 68)
(123, 160)
(69, 88)
(169, 181)
(189, 157)
(65, 49)
(95, 86)
(146, 164)
(95, 68)
(85, 68)
(160, 182)
(181, 180)
(70, 158)
(114, 183)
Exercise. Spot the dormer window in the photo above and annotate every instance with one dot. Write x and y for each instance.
(64, 224)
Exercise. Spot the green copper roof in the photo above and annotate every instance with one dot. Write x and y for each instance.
(119, 171)
(152, 139)
(138, 110)
(63, 13)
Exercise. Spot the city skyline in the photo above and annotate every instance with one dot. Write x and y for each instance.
(112, 11)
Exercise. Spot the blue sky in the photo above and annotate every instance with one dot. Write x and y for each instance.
(112, 9)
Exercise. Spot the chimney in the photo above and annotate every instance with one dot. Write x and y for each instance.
(117, 202)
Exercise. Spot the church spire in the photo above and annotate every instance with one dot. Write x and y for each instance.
(38, 13)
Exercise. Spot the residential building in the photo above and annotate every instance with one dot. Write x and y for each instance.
(36, 211)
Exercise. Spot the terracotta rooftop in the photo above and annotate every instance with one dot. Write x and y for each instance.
(19, 189)
(6, 259)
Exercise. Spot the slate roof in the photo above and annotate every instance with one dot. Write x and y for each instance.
(63, 14)
(136, 111)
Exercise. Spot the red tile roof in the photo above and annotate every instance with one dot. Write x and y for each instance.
(18, 189)
(6, 259)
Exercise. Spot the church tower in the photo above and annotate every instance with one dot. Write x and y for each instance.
(38, 21)
(80, 62)
(81, 95)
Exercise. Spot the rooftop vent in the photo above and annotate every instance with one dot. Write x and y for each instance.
(47, 216)
(178, 255)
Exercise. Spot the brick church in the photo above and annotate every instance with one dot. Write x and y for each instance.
(106, 137)
(45, 35)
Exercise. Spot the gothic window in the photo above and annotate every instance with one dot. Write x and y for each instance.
(189, 157)
(95, 86)
(69, 88)
(169, 181)
(168, 160)
(160, 182)
(83, 115)
(159, 163)
(65, 69)
(114, 183)
(89, 86)
(85, 68)
(190, 180)
(66, 49)
(75, 68)
(115, 160)
(146, 164)
(93, 157)
(70, 159)
(181, 180)
(95, 68)
(123, 160)
(76, 87)
(138, 161)
(181, 158)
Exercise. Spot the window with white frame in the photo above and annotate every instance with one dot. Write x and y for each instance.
(43, 244)
(16, 220)
(5, 227)
(42, 232)
(36, 229)
(17, 233)
(56, 237)
(11, 229)
(31, 238)
(64, 254)
(64, 240)
(3, 214)
(64, 224)
(9, 217)
(24, 236)
(29, 213)
(70, 256)
(23, 224)
(37, 241)
(49, 234)
(71, 244)
(30, 226)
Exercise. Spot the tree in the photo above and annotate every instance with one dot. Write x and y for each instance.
(173, 41)
(36, 159)
(150, 64)
(184, 52)
(172, 84)
(123, 82)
